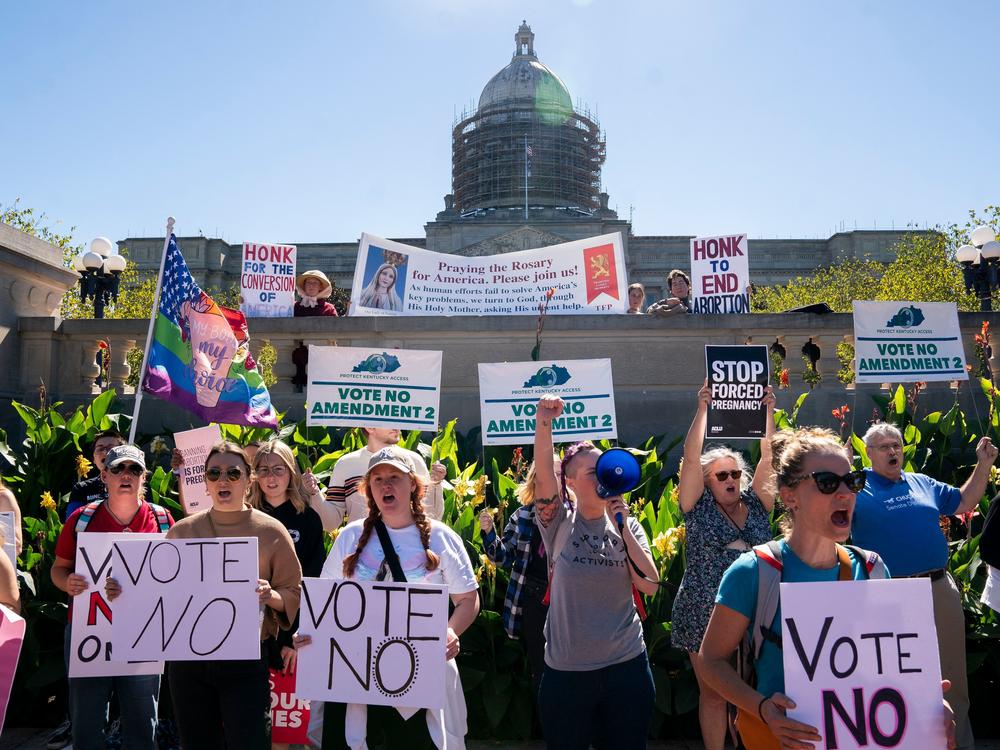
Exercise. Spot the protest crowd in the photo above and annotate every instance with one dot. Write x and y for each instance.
(347, 586)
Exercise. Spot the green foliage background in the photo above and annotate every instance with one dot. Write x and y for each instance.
(494, 668)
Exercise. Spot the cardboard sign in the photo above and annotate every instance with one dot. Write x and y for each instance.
(587, 276)
(737, 378)
(267, 280)
(90, 646)
(187, 599)
(861, 663)
(11, 637)
(355, 387)
(373, 642)
(509, 394)
(289, 713)
(7, 522)
(720, 274)
(907, 342)
(195, 445)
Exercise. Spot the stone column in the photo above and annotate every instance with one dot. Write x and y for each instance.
(118, 369)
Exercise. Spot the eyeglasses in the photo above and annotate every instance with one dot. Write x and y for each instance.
(722, 475)
(233, 474)
(272, 471)
(829, 482)
(133, 469)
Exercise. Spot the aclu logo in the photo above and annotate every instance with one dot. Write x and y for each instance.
(907, 317)
(546, 377)
(716, 428)
(377, 363)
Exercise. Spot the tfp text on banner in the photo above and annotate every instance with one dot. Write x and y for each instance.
(585, 277)
(90, 650)
(861, 663)
(509, 394)
(187, 599)
(907, 342)
(358, 387)
(373, 642)
(720, 274)
(267, 280)
(737, 379)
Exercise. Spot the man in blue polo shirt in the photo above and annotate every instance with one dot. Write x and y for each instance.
(898, 515)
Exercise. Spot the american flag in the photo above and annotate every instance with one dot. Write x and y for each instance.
(178, 285)
(528, 151)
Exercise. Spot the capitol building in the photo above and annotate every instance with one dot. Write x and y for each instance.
(526, 172)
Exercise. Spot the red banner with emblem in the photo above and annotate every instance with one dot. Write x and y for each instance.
(602, 276)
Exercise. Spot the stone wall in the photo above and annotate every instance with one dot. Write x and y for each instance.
(658, 364)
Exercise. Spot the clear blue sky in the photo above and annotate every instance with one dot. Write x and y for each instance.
(316, 121)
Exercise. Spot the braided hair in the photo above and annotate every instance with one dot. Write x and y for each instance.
(420, 520)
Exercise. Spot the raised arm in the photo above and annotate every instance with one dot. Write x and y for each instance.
(550, 407)
(692, 480)
(500, 551)
(763, 476)
(328, 513)
(975, 486)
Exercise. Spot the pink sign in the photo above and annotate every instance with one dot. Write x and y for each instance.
(11, 637)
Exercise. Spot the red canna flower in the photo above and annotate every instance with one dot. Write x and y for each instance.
(783, 378)
(548, 294)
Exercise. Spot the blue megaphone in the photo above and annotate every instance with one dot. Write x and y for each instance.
(617, 471)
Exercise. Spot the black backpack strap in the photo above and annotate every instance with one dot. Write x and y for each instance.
(390, 552)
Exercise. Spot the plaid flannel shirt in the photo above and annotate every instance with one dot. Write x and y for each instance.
(512, 552)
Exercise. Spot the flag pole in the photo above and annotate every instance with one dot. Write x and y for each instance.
(525, 177)
(149, 332)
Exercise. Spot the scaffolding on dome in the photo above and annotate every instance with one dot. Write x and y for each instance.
(488, 158)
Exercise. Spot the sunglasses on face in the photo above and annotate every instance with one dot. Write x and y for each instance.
(271, 471)
(133, 469)
(828, 482)
(233, 474)
(723, 475)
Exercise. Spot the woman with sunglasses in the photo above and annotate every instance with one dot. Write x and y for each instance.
(278, 490)
(723, 518)
(125, 510)
(228, 703)
(818, 489)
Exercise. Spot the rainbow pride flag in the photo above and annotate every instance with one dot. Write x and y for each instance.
(200, 355)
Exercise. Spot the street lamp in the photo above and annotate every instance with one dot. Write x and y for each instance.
(981, 265)
(100, 273)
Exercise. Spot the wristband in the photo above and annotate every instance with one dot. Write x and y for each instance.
(760, 712)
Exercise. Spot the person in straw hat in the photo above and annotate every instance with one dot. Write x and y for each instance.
(314, 289)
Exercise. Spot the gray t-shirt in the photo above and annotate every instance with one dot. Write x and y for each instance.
(592, 621)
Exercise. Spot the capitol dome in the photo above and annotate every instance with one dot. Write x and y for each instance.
(526, 81)
(525, 144)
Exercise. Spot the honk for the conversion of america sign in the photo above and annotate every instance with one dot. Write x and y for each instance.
(509, 394)
(720, 274)
(902, 342)
(358, 387)
(585, 276)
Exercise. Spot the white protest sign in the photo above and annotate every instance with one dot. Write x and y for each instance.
(373, 642)
(586, 276)
(861, 663)
(90, 635)
(9, 536)
(12, 627)
(195, 445)
(907, 342)
(267, 280)
(509, 394)
(187, 599)
(720, 274)
(357, 387)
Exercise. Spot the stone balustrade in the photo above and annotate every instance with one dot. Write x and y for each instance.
(658, 364)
